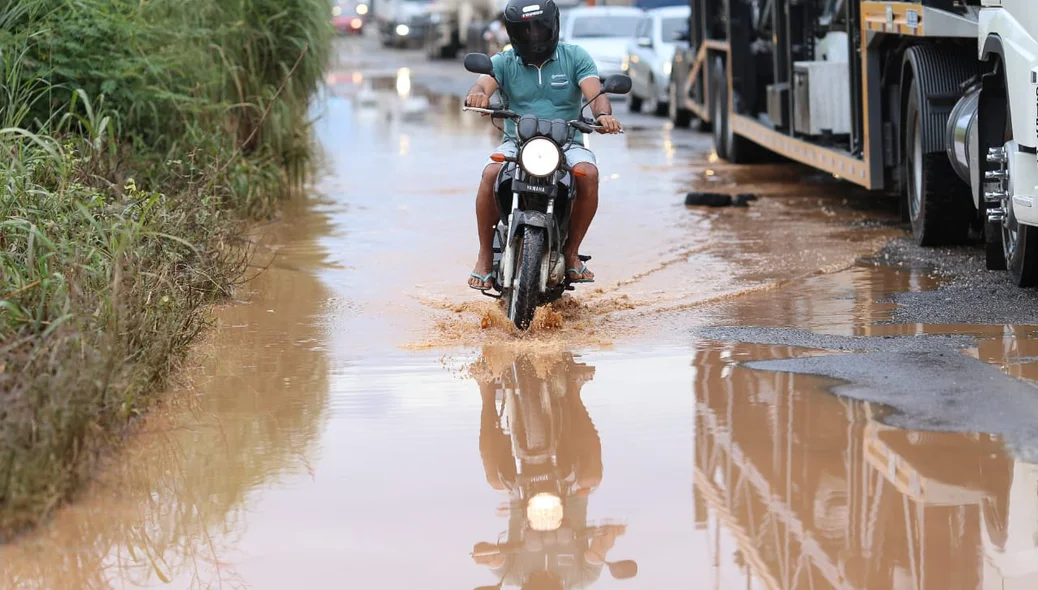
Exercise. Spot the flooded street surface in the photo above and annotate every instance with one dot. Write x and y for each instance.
(349, 422)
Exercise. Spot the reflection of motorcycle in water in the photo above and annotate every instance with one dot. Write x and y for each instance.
(538, 443)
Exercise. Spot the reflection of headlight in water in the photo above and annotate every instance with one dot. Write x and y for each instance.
(544, 512)
(403, 82)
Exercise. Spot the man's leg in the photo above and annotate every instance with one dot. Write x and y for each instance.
(486, 221)
(584, 208)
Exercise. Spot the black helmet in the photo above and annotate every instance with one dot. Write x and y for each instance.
(533, 28)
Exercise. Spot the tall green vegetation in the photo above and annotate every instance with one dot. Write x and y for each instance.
(135, 135)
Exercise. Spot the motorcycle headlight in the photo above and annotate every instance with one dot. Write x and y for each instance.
(544, 512)
(540, 157)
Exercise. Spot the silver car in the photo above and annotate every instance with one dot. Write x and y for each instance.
(603, 31)
(649, 56)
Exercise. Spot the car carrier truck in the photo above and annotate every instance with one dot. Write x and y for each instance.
(934, 100)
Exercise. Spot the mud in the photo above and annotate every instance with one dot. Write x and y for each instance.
(353, 420)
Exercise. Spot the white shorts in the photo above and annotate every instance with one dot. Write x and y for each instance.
(575, 154)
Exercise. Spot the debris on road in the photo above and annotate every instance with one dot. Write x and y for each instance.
(699, 199)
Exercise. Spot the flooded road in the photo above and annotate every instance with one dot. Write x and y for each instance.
(359, 417)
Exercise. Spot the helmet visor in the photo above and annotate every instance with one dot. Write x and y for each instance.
(533, 32)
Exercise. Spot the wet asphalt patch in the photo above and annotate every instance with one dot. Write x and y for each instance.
(927, 380)
(968, 293)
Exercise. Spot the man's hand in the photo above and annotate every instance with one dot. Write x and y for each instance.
(477, 99)
(609, 124)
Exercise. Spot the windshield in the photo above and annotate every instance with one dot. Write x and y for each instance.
(670, 27)
(585, 27)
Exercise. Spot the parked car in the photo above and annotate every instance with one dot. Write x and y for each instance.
(402, 22)
(650, 55)
(349, 16)
(603, 31)
(650, 4)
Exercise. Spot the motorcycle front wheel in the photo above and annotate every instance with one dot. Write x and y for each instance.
(524, 295)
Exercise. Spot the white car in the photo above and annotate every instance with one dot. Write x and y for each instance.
(649, 57)
(603, 31)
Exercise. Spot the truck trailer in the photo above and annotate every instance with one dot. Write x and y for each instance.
(933, 100)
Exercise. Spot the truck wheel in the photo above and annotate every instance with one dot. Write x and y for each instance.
(1019, 241)
(939, 204)
(729, 146)
(678, 116)
(936, 197)
(719, 107)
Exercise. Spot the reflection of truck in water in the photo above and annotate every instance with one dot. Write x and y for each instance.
(806, 490)
(932, 99)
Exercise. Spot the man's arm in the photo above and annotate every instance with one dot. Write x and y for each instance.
(479, 95)
(601, 108)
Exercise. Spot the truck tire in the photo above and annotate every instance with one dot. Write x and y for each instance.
(731, 147)
(938, 203)
(1019, 241)
(935, 194)
(680, 117)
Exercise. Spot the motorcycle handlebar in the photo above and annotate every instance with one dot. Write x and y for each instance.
(488, 549)
(583, 126)
(494, 113)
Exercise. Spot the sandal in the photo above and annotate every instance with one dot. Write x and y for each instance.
(580, 272)
(484, 280)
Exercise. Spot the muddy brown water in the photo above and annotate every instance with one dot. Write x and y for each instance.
(340, 426)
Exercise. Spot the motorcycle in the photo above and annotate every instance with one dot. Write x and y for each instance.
(549, 468)
(534, 193)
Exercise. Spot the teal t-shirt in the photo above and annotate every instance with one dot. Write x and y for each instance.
(551, 91)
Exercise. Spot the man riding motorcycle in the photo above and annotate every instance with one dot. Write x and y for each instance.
(542, 77)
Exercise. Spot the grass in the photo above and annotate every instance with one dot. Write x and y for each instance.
(135, 139)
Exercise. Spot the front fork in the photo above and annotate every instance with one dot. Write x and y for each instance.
(508, 252)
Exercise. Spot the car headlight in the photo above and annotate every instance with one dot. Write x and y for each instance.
(362, 9)
(540, 157)
(544, 512)
(666, 68)
(336, 10)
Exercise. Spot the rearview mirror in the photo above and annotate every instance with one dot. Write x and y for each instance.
(623, 570)
(645, 42)
(479, 63)
(617, 84)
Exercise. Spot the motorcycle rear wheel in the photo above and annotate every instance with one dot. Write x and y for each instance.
(523, 297)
